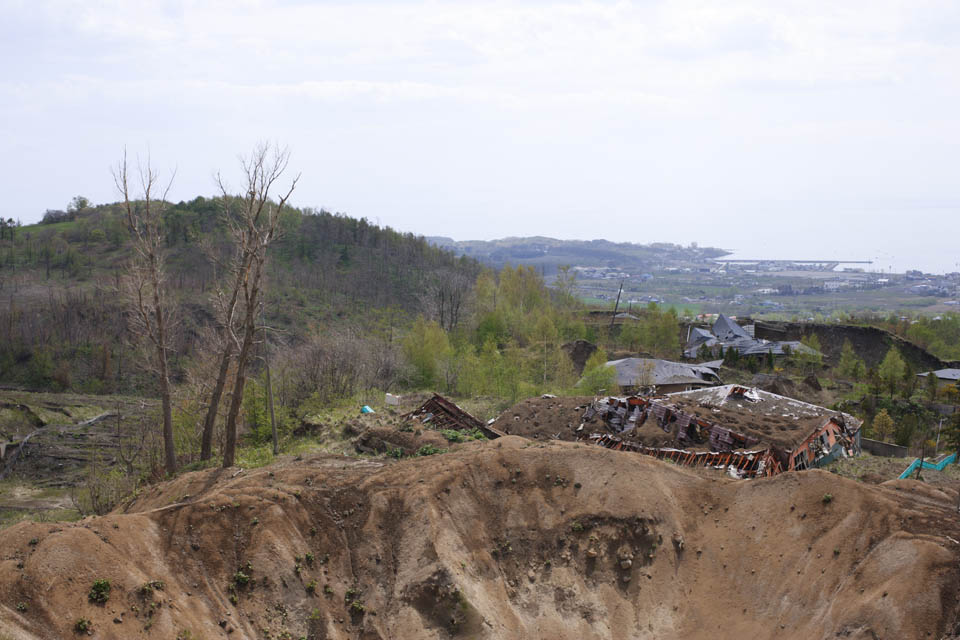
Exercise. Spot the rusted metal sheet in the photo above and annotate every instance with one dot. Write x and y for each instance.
(745, 464)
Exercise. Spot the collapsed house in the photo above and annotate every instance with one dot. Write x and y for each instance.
(663, 376)
(751, 432)
(726, 334)
(440, 414)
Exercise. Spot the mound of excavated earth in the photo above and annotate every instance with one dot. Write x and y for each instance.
(502, 539)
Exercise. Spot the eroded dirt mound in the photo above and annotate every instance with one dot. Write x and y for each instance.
(392, 441)
(500, 539)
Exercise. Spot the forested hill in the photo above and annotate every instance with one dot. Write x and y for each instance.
(62, 319)
(550, 253)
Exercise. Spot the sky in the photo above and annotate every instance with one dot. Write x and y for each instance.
(808, 129)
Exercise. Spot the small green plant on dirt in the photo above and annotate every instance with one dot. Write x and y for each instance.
(309, 559)
(315, 614)
(83, 625)
(328, 590)
(395, 453)
(147, 588)
(836, 552)
(576, 527)
(240, 579)
(452, 435)
(34, 542)
(311, 587)
(350, 594)
(429, 450)
(357, 607)
(21, 607)
(827, 498)
(99, 592)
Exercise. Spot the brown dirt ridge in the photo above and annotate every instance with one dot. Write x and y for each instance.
(509, 538)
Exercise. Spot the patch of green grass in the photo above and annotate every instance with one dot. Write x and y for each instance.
(100, 591)
(254, 457)
(429, 450)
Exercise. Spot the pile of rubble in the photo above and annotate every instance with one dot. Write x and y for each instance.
(773, 433)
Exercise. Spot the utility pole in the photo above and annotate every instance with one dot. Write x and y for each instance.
(616, 306)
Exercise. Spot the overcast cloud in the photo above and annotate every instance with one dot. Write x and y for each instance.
(806, 129)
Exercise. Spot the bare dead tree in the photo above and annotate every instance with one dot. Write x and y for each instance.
(253, 229)
(226, 305)
(146, 283)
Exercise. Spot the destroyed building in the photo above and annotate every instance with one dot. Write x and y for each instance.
(440, 414)
(726, 334)
(751, 432)
(663, 376)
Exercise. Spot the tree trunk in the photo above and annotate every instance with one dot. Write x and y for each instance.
(240, 380)
(170, 454)
(273, 417)
(206, 444)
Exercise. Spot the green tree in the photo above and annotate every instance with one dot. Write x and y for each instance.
(809, 359)
(597, 375)
(78, 203)
(909, 380)
(425, 345)
(951, 434)
(545, 333)
(850, 365)
(661, 331)
(931, 386)
(876, 383)
(882, 425)
(891, 370)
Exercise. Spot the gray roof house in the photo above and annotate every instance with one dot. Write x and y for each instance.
(663, 375)
(944, 375)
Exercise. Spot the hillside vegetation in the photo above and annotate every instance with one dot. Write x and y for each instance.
(63, 322)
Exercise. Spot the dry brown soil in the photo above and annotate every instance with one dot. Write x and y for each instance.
(502, 539)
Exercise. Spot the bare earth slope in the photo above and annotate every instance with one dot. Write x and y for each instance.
(501, 539)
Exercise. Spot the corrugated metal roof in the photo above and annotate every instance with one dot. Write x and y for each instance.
(632, 372)
(943, 374)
